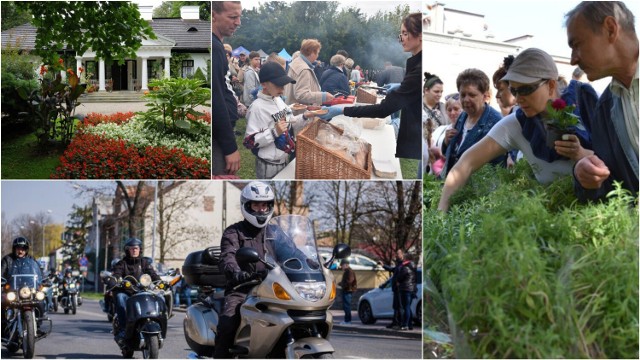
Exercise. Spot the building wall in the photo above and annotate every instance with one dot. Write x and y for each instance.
(206, 219)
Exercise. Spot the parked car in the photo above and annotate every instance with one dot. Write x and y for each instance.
(356, 261)
(378, 303)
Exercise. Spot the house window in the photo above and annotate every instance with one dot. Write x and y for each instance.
(187, 68)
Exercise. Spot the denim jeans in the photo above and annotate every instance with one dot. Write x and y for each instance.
(405, 301)
(121, 309)
(346, 305)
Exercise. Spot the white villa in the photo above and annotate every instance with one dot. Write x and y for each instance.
(185, 35)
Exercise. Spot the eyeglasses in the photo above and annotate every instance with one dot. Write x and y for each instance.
(455, 96)
(525, 90)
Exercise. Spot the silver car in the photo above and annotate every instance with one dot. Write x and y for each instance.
(378, 303)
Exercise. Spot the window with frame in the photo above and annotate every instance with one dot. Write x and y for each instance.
(187, 68)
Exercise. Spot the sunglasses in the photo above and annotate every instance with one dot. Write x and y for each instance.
(455, 96)
(21, 248)
(526, 89)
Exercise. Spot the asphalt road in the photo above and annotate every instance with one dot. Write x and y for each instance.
(87, 335)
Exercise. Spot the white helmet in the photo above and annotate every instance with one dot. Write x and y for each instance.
(261, 192)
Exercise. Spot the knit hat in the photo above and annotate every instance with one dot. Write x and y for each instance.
(274, 73)
(530, 66)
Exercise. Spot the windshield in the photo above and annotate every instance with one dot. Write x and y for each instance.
(291, 237)
(20, 281)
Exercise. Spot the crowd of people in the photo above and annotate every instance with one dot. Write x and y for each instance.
(598, 147)
(248, 86)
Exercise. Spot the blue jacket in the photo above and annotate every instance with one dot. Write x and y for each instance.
(12, 265)
(334, 81)
(606, 146)
(489, 118)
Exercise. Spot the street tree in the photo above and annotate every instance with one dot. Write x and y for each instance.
(13, 15)
(77, 229)
(112, 29)
(341, 207)
(8, 233)
(392, 219)
(31, 227)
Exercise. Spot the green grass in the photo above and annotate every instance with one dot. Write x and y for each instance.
(92, 295)
(22, 160)
(409, 167)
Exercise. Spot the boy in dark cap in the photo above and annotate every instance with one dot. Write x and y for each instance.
(270, 122)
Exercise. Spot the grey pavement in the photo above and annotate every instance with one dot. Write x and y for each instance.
(114, 107)
(379, 328)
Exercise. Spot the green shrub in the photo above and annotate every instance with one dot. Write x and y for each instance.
(526, 272)
(18, 70)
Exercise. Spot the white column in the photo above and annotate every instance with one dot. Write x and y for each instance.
(143, 83)
(101, 74)
(167, 67)
(79, 65)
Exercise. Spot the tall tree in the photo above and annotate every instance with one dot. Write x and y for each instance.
(112, 29)
(13, 15)
(77, 232)
(341, 207)
(135, 204)
(171, 9)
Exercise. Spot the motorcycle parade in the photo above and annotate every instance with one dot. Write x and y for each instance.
(268, 287)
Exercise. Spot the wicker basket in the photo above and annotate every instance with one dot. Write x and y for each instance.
(363, 96)
(315, 161)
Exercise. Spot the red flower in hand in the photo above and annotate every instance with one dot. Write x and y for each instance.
(558, 104)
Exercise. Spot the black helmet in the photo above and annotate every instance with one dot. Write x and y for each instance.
(68, 271)
(132, 242)
(20, 242)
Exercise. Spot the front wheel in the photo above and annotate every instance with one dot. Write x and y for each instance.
(29, 340)
(74, 304)
(152, 347)
(365, 313)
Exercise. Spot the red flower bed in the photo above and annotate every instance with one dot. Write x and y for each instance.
(93, 119)
(93, 157)
(206, 117)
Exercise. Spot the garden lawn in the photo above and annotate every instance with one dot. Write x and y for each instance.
(21, 159)
(409, 167)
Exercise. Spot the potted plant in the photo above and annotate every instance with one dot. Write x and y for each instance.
(560, 120)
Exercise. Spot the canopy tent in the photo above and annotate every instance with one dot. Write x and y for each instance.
(284, 54)
(263, 54)
(237, 51)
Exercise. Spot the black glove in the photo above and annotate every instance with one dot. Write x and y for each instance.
(241, 277)
(259, 275)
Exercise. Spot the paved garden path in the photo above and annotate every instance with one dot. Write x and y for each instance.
(110, 108)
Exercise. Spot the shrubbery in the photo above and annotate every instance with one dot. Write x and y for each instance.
(523, 271)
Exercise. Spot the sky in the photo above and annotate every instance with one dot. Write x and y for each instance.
(544, 19)
(32, 197)
(367, 7)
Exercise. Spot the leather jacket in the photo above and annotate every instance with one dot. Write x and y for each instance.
(406, 277)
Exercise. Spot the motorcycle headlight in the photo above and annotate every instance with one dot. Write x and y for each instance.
(25, 293)
(72, 286)
(145, 280)
(11, 296)
(311, 291)
(40, 296)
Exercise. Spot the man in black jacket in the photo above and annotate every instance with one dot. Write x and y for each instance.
(256, 204)
(225, 19)
(132, 265)
(406, 283)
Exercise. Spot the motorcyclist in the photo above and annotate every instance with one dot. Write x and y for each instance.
(20, 262)
(134, 265)
(257, 205)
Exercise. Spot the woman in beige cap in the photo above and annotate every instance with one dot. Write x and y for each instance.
(533, 81)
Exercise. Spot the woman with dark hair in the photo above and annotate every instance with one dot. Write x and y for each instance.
(506, 100)
(431, 105)
(405, 97)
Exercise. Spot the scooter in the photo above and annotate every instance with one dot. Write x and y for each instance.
(285, 315)
(146, 317)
